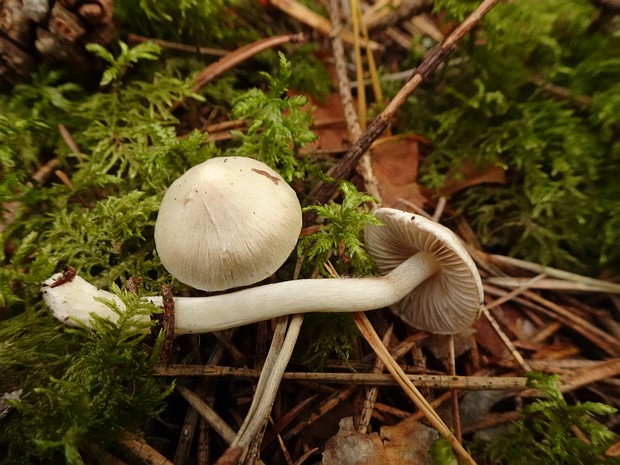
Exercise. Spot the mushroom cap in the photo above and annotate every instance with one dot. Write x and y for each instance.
(227, 222)
(451, 299)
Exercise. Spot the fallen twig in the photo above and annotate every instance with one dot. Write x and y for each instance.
(235, 57)
(408, 387)
(533, 301)
(471, 383)
(135, 38)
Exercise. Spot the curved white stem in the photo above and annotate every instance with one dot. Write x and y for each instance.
(74, 301)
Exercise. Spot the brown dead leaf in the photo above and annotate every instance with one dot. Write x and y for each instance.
(348, 447)
(469, 175)
(329, 124)
(406, 443)
(395, 161)
(329, 121)
(613, 451)
(488, 340)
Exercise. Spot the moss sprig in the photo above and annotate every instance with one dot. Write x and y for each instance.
(538, 101)
(89, 385)
(545, 434)
(279, 125)
(340, 236)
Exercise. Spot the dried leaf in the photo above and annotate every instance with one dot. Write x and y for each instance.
(406, 443)
(330, 125)
(395, 163)
(613, 451)
(348, 447)
(470, 175)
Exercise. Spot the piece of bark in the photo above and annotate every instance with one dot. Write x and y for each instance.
(65, 24)
(55, 49)
(14, 23)
(36, 10)
(15, 60)
(94, 13)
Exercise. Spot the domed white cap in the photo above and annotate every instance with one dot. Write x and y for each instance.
(227, 222)
(451, 299)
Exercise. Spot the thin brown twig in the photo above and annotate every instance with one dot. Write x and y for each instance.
(238, 56)
(323, 408)
(188, 429)
(68, 138)
(456, 415)
(142, 451)
(135, 38)
(210, 416)
(533, 301)
(379, 379)
(46, 170)
(241, 54)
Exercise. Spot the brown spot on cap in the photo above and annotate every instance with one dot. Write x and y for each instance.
(267, 175)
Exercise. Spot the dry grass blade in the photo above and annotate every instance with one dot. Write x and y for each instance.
(344, 91)
(530, 300)
(556, 284)
(592, 285)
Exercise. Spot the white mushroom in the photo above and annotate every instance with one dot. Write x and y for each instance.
(448, 301)
(227, 222)
(436, 256)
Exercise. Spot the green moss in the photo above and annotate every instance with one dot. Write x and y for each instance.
(81, 387)
(559, 151)
(194, 21)
(279, 125)
(545, 434)
(340, 236)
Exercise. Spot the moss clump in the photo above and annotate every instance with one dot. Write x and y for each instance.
(533, 93)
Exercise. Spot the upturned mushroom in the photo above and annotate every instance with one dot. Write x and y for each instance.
(422, 262)
(447, 301)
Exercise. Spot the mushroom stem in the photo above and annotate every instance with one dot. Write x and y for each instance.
(74, 300)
